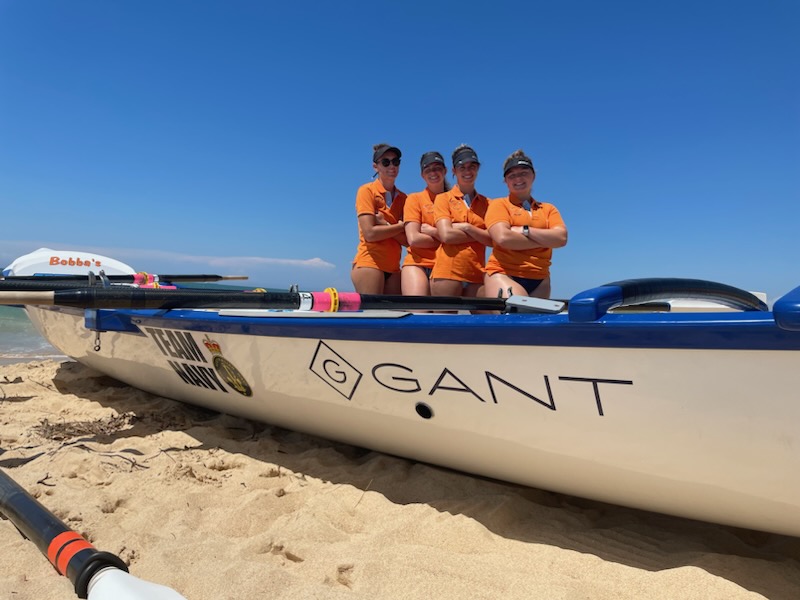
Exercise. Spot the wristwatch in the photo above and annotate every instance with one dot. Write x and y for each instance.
(525, 230)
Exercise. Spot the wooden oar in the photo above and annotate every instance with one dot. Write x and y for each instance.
(328, 301)
(138, 278)
(96, 575)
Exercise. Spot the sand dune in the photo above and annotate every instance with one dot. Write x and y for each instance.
(220, 508)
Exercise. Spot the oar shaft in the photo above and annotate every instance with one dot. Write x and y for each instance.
(134, 278)
(328, 301)
(179, 278)
(69, 552)
(372, 302)
(7, 285)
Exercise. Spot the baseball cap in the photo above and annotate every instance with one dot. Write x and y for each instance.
(465, 155)
(517, 161)
(430, 158)
(382, 149)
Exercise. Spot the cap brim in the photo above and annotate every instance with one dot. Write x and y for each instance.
(389, 149)
(425, 165)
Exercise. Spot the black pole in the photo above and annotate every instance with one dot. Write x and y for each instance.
(126, 297)
(68, 551)
(35, 285)
(385, 302)
(121, 278)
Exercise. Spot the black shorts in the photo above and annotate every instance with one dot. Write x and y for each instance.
(528, 284)
(426, 270)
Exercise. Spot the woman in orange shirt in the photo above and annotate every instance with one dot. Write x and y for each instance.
(423, 239)
(524, 233)
(459, 217)
(379, 208)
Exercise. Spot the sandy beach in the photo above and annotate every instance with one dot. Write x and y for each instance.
(219, 507)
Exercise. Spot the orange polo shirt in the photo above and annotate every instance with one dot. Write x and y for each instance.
(533, 263)
(385, 254)
(462, 262)
(419, 209)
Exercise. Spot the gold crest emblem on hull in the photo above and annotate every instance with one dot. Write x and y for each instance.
(226, 370)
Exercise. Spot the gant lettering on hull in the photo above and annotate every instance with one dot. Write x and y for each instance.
(187, 360)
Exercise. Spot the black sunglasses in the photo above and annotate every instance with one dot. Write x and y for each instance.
(390, 161)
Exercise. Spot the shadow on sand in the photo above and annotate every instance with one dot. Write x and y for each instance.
(635, 538)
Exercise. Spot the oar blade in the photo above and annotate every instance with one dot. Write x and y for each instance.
(113, 584)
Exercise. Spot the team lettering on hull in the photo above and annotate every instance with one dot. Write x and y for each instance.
(190, 364)
(345, 378)
(197, 375)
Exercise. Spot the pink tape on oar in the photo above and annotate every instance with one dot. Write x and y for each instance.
(349, 302)
(321, 301)
(332, 301)
(142, 278)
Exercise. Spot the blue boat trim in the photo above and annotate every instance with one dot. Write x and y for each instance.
(736, 331)
(592, 304)
(787, 311)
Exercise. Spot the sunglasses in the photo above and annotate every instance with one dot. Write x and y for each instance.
(390, 161)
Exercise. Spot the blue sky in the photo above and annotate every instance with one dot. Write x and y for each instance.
(196, 136)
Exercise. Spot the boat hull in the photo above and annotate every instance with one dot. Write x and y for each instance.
(699, 424)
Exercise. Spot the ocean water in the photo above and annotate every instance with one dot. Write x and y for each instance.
(19, 340)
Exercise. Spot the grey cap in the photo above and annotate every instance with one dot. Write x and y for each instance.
(517, 161)
(430, 158)
(464, 156)
(383, 149)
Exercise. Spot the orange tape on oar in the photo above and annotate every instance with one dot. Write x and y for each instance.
(64, 547)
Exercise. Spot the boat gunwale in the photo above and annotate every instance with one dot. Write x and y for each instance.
(701, 331)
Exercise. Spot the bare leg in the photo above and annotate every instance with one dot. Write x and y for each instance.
(392, 285)
(500, 282)
(446, 287)
(543, 290)
(473, 290)
(367, 280)
(414, 281)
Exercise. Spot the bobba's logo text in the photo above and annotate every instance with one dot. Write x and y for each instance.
(75, 262)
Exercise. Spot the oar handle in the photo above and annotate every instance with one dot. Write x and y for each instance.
(69, 552)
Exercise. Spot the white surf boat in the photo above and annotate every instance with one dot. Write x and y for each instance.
(692, 414)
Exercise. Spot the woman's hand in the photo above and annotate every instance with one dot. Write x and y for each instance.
(429, 230)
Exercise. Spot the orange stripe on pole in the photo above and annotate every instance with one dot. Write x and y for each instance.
(58, 542)
(63, 547)
(69, 551)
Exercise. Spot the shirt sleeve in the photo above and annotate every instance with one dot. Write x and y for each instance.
(365, 202)
(441, 208)
(497, 213)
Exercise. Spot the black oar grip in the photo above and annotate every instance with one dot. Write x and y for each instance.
(67, 550)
